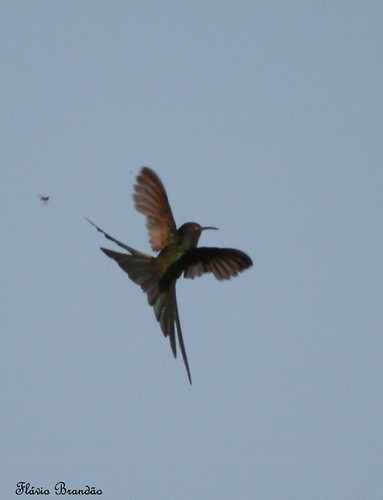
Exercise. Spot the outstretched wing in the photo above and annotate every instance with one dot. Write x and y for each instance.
(222, 262)
(151, 200)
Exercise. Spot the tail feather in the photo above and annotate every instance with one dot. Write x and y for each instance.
(133, 251)
(143, 270)
(140, 269)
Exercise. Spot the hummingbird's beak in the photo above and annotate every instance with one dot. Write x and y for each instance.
(209, 227)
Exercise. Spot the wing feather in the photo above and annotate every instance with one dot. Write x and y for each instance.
(222, 262)
(151, 200)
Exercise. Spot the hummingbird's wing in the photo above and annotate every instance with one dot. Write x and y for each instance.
(151, 200)
(222, 262)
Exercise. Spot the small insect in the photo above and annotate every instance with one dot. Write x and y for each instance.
(44, 199)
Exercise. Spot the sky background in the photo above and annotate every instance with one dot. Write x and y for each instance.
(261, 118)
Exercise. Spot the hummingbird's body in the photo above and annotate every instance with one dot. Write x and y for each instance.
(179, 254)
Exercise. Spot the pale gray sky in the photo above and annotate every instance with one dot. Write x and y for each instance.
(261, 118)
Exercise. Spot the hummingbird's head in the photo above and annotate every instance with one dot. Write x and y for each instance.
(192, 231)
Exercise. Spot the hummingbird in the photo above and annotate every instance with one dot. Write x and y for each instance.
(178, 254)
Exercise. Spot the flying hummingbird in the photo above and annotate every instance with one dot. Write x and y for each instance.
(179, 254)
